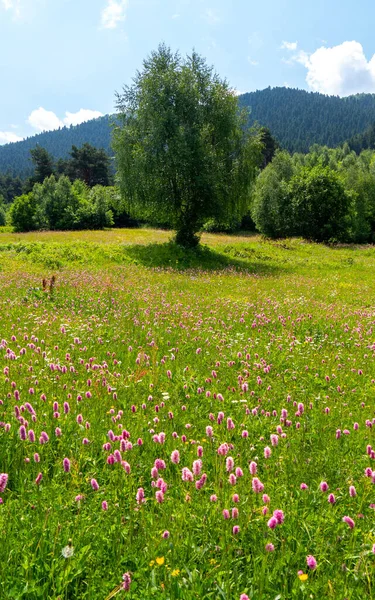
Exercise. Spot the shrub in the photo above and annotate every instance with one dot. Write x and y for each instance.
(61, 205)
(318, 203)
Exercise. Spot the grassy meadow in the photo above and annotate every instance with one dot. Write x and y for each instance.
(186, 425)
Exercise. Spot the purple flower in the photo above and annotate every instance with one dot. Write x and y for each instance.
(126, 582)
(349, 522)
(3, 481)
(94, 485)
(272, 523)
(311, 562)
(257, 485)
(279, 516)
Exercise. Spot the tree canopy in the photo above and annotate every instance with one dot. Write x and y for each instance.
(182, 150)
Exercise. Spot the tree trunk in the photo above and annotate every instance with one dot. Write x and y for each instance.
(186, 230)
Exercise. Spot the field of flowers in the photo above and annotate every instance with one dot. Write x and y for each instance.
(186, 427)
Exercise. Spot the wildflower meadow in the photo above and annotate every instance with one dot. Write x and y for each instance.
(186, 425)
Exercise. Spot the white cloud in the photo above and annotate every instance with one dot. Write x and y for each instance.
(46, 120)
(84, 114)
(113, 13)
(6, 137)
(301, 57)
(289, 46)
(12, 6)
(341, 70)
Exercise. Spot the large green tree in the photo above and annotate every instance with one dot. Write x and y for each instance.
(181, 147)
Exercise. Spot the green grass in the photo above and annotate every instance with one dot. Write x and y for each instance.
(275, 324)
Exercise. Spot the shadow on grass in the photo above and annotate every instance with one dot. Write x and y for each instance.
(203, 258)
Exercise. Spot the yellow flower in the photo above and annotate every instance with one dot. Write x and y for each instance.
(160, 560)
(175, 572)
(303, 577)
(152, 563)
(212, 561)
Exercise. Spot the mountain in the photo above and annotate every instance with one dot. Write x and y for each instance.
(15, 158)
(298, 119)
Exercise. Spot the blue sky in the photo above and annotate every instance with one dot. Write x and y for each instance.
(61, 61)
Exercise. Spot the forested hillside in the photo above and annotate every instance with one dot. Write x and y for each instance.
(296, 118)
(299, 119)
(15, 158)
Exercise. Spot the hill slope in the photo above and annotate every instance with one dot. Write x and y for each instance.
(296, 118)
(299, 119)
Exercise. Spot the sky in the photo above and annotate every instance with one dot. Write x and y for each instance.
(61, 61)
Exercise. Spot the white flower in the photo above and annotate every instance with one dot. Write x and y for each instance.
(67, 552)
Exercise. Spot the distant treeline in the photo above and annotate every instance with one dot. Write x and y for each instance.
(78, 189)
(325, 195)
(87, 163)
